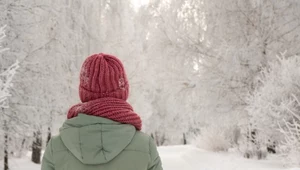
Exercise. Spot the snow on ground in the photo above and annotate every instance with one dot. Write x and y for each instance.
(189, 158)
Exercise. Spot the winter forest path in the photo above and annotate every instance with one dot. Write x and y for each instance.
(189, 158)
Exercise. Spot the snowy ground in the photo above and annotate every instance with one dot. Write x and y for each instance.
(190, 158)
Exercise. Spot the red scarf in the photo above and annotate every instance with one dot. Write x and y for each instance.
(111, 108)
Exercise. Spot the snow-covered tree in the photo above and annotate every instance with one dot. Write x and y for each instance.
(6, 77)
(274, 105)
(40, 38)
(170, 82)
(240, 38)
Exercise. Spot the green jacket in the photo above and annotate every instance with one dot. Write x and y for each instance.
(95, 143)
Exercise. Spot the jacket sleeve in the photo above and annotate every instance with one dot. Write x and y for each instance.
(155, 162)
(47, 162)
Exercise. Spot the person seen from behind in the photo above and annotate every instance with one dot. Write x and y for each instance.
(102, 132)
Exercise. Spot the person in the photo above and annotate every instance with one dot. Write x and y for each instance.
(102, 132)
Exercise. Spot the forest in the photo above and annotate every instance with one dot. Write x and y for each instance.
(210, 73)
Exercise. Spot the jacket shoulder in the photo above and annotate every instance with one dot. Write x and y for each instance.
(140, 143)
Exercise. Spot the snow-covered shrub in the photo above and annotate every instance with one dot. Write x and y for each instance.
(213, 138)
(249, 145)
(250, 150)
(291, 145)
(275, 103)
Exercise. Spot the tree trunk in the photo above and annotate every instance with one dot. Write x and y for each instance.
(19, 155)
(5, 152)
(49, 135)
(36, 147)
(5, 146)
(184, 139)
(159, 139)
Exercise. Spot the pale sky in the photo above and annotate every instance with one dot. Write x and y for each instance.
(138, 3)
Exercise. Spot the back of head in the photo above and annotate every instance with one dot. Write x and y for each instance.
(103, 75)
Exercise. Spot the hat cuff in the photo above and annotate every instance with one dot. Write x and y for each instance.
(87, 95)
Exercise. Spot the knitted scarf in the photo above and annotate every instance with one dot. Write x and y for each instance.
(111, 108)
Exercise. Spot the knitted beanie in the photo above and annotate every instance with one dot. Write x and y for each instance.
(103, 75)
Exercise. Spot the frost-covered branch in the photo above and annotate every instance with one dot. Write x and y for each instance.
(2, 36)
(291, 132)
(6, 77)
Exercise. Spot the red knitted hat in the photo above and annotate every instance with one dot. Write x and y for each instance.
(103, 75)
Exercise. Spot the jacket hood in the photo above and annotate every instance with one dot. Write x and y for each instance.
(95, 140)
